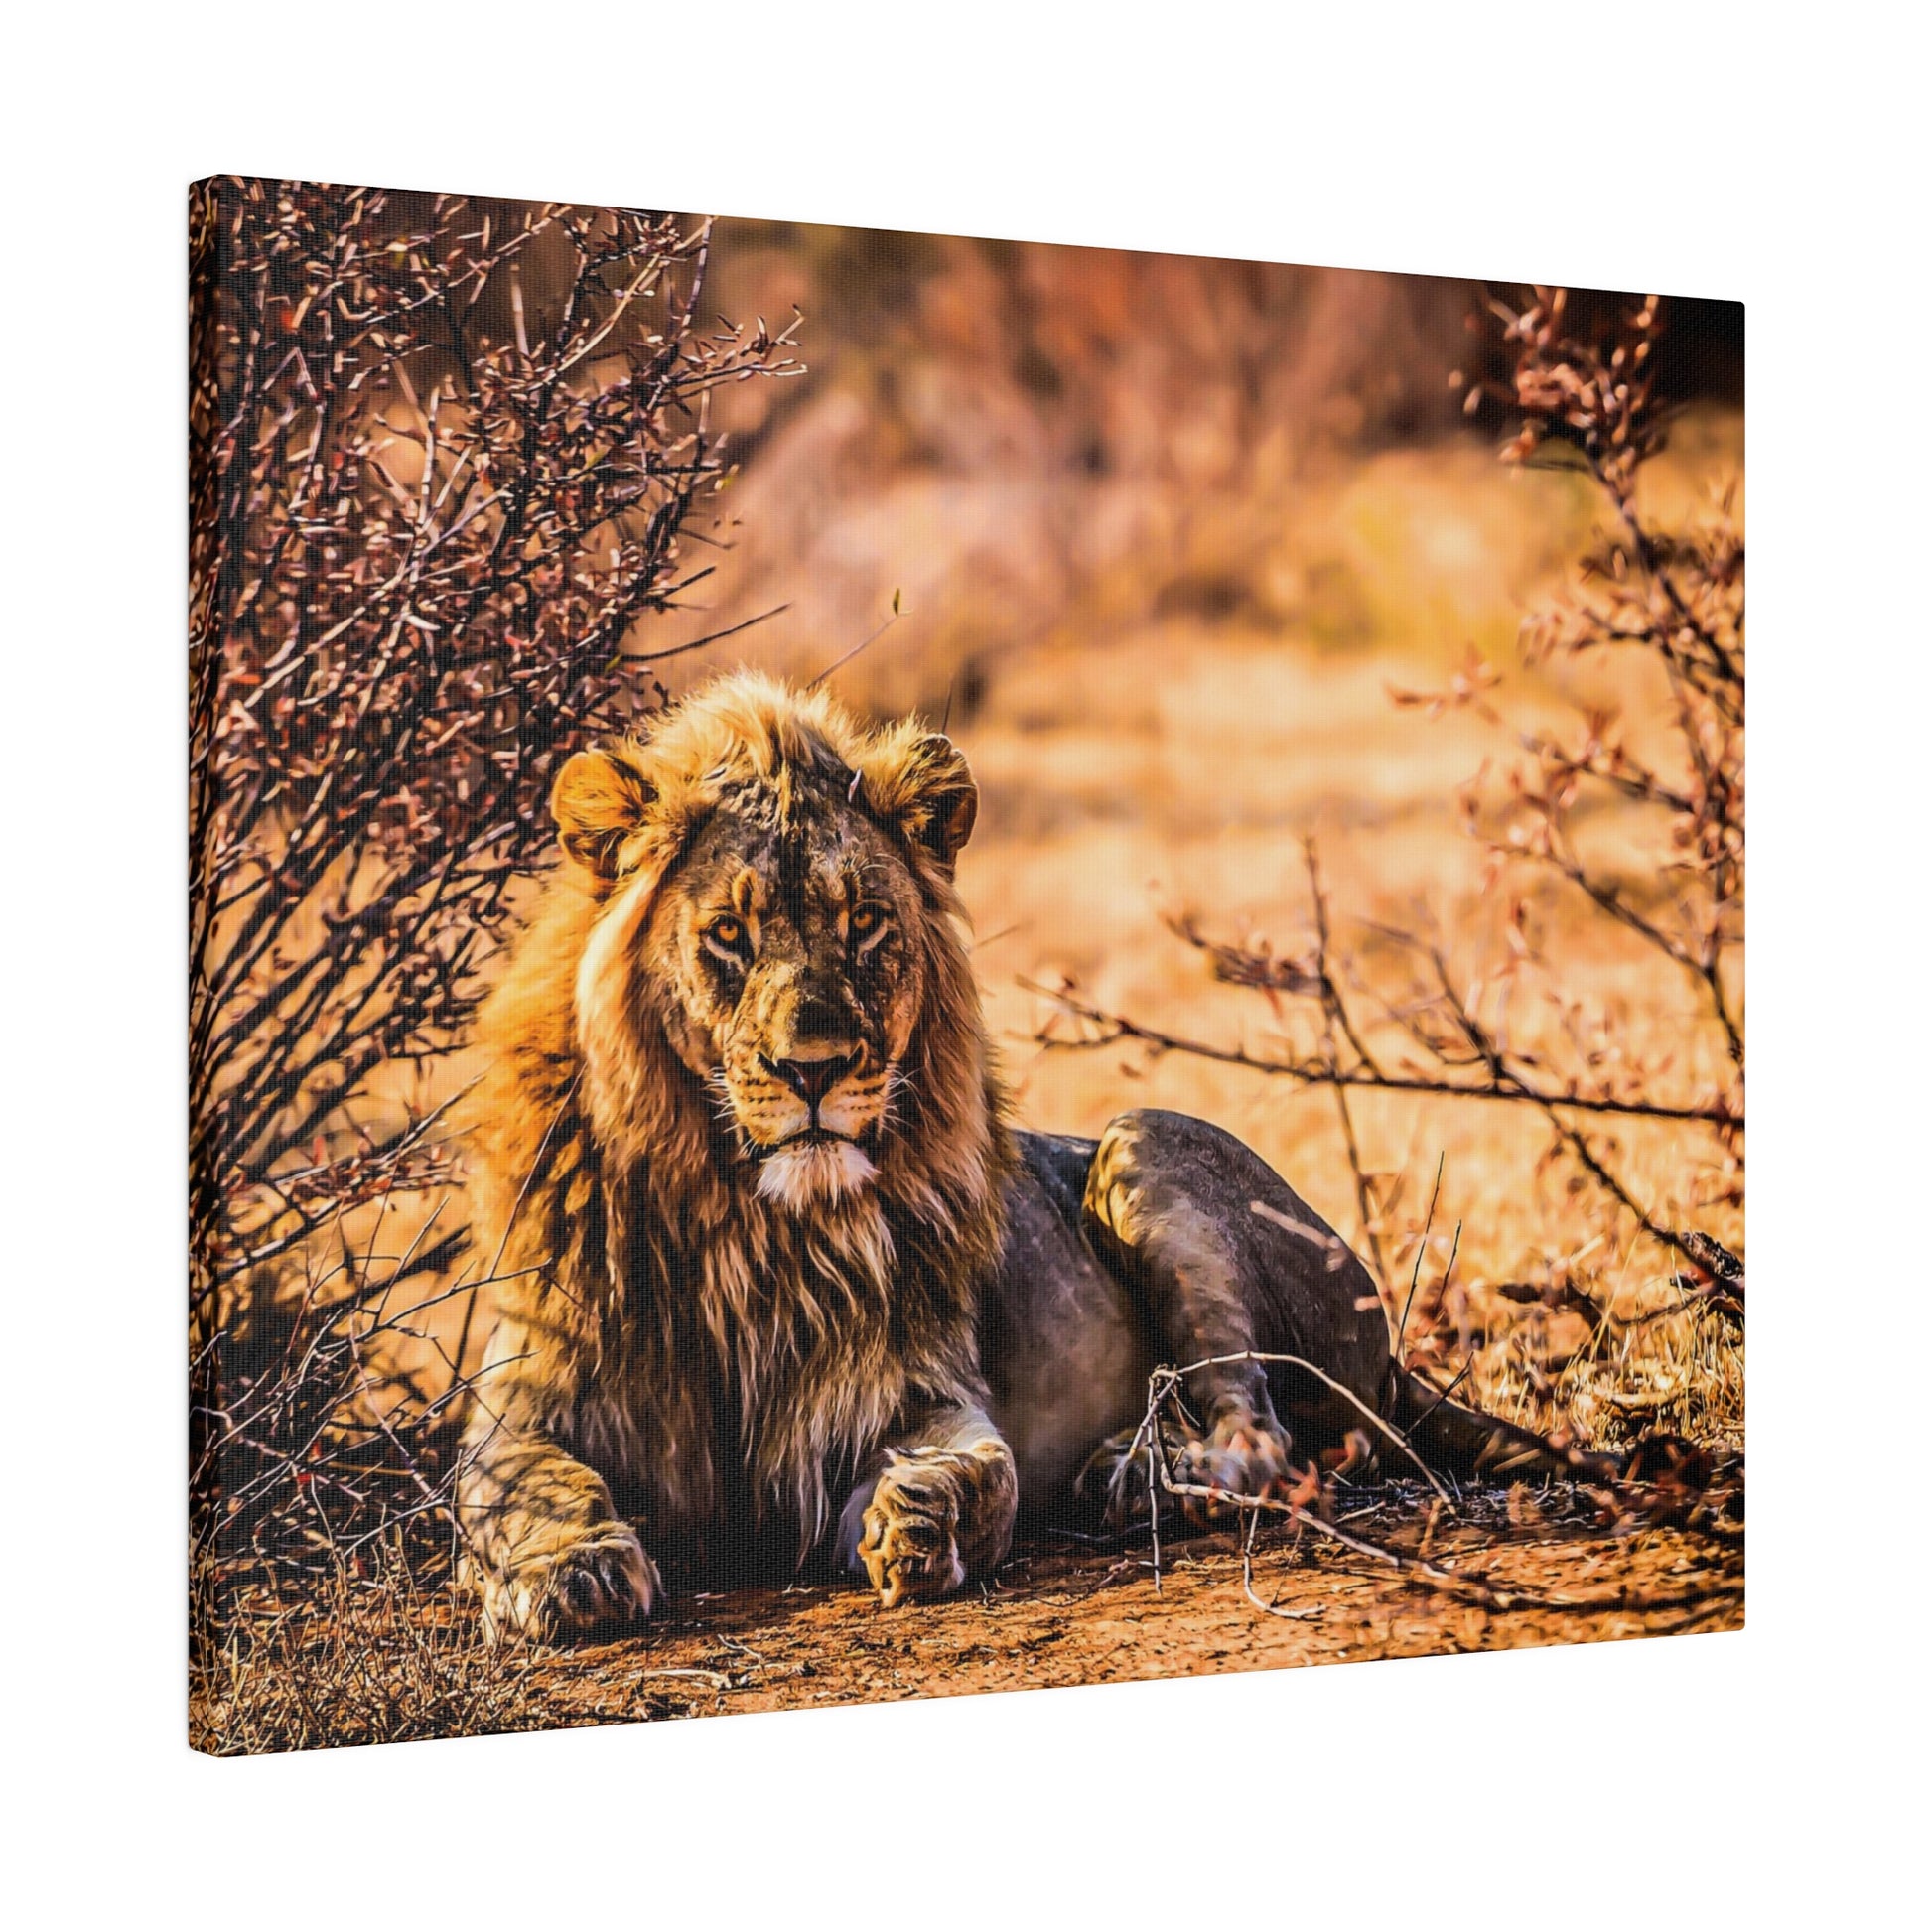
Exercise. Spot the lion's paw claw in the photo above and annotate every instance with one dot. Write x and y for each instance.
(1237, 1458)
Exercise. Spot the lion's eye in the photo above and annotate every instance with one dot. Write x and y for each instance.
(728, 939)
(867, 926)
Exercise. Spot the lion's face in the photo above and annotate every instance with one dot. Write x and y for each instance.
(784, 950)
(777, 912)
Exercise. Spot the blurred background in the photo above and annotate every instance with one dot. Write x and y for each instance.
(1165, 534)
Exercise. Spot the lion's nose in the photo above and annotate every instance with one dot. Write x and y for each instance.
(812, 1080)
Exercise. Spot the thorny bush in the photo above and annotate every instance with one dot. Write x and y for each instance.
(1639, 823)
(442, 453)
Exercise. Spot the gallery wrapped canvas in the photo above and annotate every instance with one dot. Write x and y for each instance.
(927, 965)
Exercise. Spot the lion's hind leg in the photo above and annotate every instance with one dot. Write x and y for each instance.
(1226, 1262)
(1227, 1259)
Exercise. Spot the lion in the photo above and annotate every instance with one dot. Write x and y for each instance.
(774, 1276)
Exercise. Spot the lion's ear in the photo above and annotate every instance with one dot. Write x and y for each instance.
(937, 800)
(599, 800)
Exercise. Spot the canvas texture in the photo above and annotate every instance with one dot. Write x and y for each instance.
(924, 965)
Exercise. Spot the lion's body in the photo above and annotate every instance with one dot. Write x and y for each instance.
(771, 1272)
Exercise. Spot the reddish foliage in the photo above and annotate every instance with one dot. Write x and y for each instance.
(441, 454)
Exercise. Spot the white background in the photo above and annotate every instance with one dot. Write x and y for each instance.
(1772, 1775)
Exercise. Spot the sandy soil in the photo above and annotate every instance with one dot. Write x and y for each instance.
(1059, 1613)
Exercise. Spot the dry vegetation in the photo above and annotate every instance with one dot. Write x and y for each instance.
(442, 451)
(1591, 978)
(1526, 886)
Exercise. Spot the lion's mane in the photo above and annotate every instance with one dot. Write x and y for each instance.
(685, 1334)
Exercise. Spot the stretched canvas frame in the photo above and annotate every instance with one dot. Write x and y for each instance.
(1323, 837)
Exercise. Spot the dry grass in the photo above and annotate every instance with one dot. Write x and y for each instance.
(371, 1658)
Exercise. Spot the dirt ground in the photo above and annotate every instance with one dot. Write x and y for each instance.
(1061, 1613)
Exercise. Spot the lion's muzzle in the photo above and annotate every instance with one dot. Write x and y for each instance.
(811, 1081)
(808, 1123)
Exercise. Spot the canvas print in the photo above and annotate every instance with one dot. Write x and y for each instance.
(927, 965)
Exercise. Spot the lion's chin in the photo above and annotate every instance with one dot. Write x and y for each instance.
(795, 1177)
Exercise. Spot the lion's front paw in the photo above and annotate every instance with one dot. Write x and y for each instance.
(935, 1517)
(911, 1541)
(600, 1582)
